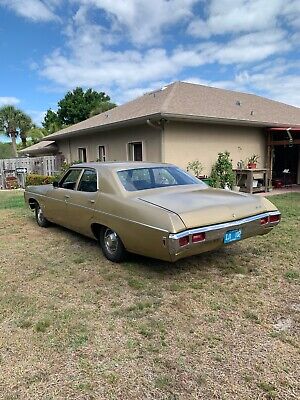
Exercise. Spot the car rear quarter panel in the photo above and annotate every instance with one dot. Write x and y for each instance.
(143, 228)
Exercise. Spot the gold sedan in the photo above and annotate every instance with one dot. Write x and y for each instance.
(156, 210)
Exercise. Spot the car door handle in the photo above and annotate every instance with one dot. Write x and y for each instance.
(92, 201)
(67, 196)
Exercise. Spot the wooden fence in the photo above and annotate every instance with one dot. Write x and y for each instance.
(18, 167)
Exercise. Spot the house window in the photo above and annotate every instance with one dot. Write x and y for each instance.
(101, 153)
(82, 154)
(135, 151)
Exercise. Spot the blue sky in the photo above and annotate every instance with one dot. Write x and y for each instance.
(129, 47)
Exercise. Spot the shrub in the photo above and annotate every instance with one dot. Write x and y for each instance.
(222, 175)
(35, 179)
(196, 167)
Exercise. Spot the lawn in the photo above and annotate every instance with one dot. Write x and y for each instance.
(223, 325)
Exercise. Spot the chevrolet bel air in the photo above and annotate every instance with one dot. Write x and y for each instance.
(156, 210)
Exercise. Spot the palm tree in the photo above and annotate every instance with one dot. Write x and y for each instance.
(14, 123)
(25, 124)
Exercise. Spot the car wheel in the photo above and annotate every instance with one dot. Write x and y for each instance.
(39, 216)
(112, 245)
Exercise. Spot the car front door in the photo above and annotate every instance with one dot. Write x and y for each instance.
(56, 204)
(81, 205)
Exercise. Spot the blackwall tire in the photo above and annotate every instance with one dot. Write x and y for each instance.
(39, 216)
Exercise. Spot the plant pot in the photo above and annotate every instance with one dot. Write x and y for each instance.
(251, 165)
(206, 180)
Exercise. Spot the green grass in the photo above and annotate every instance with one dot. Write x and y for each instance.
(12, 199)
(73, 325)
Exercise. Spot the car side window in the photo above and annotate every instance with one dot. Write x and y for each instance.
(88, 181)
(70, 179)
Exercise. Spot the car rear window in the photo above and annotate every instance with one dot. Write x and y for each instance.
(156, 177)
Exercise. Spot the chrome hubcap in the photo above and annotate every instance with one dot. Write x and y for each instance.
(111, 240)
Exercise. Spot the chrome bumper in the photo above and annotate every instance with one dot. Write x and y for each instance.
(214, 234)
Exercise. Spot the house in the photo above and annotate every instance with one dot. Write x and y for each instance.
(183, 122)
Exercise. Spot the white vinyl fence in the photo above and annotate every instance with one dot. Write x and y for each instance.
(19, 167)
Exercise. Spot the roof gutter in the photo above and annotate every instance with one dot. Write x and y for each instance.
(227, 121)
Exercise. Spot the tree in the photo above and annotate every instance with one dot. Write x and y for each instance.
(25, 124)
(5, 150)
(105, 106)
(51, 122)
(33, 136)
(76, 106)
(222, 175)
(14, 123)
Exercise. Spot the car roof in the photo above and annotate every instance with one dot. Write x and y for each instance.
(120, 165)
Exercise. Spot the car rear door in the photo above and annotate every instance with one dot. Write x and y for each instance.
(81, 204)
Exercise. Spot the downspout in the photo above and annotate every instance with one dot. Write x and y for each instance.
(70, 151)
(290, 136)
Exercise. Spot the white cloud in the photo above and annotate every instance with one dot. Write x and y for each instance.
(12, 101)
(249, 48)
(143, 21)
(36, 10)
(276, 80)
(238, 16)
(89, 60)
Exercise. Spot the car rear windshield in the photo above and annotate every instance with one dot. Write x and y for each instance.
(157, 177)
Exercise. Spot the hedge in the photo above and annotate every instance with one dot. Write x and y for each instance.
(35, 179)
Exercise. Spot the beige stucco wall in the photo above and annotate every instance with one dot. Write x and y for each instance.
(184, 142)
(180, 143)
(116, 142)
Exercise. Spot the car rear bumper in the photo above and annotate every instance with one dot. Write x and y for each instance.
(214, 234)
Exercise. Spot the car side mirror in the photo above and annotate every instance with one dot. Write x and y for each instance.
(55, 184)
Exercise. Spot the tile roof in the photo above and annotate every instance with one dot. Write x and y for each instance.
(181, 100)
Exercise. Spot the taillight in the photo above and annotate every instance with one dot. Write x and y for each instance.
(198, 237)
(274, 218)
(183, 241)
(264, 221)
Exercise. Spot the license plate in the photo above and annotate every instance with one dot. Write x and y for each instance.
(233, 236)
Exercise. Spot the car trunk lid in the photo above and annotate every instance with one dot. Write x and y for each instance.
(201, 207)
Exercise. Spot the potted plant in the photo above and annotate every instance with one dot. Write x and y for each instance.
(196, 167)
(222, 175)
(252, 161)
